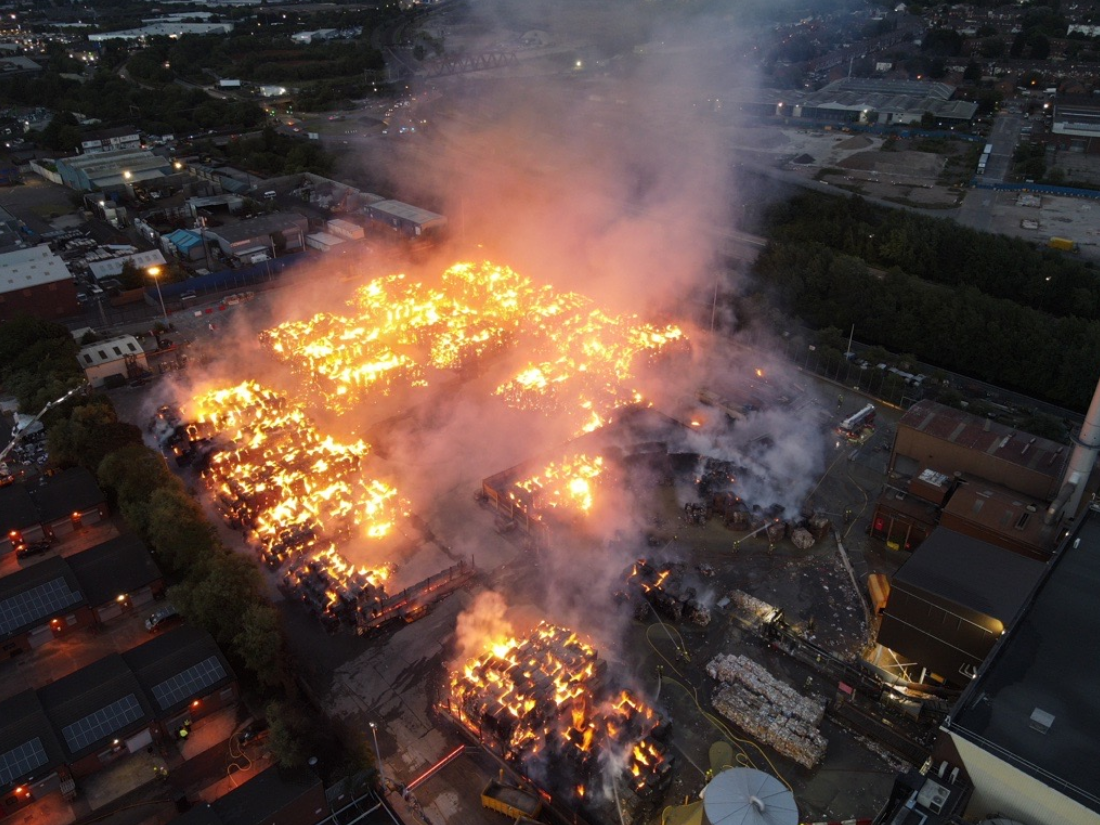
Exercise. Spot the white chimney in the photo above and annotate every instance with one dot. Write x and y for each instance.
(1083, 458)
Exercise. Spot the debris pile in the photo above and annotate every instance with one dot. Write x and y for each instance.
(768, 709)
(663, 587)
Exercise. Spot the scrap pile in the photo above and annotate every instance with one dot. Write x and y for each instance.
(542, 703)
(295, 494)
(663, 587)
(578, 360)
(768, 709)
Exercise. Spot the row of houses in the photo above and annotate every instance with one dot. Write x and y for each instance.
(119, 705)
(58, 596)
(53, 507)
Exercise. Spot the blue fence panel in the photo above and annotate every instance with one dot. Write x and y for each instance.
(1039, 188)
(229, 278)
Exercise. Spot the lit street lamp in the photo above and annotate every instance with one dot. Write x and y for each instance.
(154, 271)
(378, 755)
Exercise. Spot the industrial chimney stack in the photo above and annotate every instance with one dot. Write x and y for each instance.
(1081, 462)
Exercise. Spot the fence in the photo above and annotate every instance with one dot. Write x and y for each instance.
(251, 276)
(1040, 188)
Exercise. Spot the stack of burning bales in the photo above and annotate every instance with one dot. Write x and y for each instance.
(297, 496)
(578, 361)
(767, 709)
(544, 704)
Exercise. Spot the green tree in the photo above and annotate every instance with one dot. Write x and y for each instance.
(260, 645)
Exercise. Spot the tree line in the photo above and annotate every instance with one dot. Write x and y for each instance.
(938, 250)
(957, 317)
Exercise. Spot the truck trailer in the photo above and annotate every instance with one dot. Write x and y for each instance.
(510, 801)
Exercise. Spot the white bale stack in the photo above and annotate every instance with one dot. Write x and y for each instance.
(768, 709)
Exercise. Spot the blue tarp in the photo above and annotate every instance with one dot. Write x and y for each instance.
(184, 239)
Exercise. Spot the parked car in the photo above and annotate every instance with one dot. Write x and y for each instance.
(25, 550)
(254, 731)
(162, 618)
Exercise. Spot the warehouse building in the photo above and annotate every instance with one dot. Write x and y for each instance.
(121, 356)
(185, 675)
(1075, 125)
(35, 281)
(950, 602)
(263, 235)
(18, 516)
(101, 713)
(942, 470)
(869, 101)
(116, 171)
(411, 221)
(69, 500)
(1026, 731)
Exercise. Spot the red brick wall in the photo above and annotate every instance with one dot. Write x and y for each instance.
(50, 301)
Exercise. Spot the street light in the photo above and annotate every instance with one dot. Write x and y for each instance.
(154, 271)
(378, 755)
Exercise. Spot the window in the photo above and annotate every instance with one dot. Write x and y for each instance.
(131, 346)
(117, 351)
(87, 358)
(102, 355)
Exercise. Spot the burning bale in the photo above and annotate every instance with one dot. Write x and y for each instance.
(768, 709)
(662, 586)
(543, 703)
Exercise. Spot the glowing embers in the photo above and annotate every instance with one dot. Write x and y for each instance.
(569, 484)
(577, 360)
(296, 492)
(542, 703)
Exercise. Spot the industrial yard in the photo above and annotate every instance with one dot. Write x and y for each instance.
(680, 613)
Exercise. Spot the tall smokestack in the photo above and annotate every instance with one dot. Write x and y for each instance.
(1083, 458)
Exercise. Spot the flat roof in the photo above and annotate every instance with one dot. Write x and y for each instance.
(971, 573)
(31, 266)
(121, 565)
(260, 226)
(406, 212)
(1044, 663)
(1000, 510)
(1037, 454)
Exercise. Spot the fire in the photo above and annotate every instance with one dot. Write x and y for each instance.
(568, 484)
(582, 360)
(543, 697)
(296, 492)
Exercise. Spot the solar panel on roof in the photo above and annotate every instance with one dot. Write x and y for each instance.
(102, 723)
(21, 761)
(36, 603)
(188, 683)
